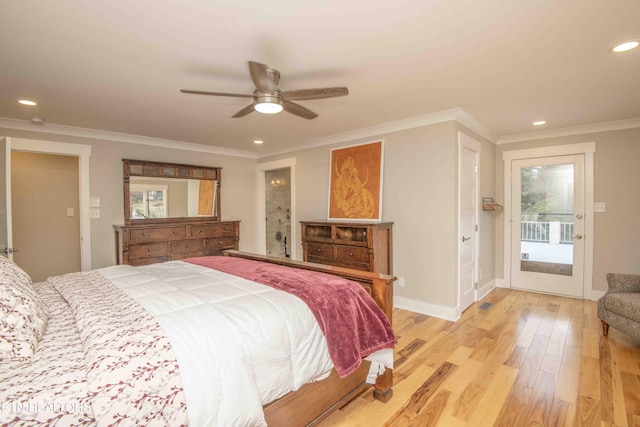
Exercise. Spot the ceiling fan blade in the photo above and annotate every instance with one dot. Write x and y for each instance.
(304, 94)
(202, 92)
(265, 78)
(246, 110)
(298, 110)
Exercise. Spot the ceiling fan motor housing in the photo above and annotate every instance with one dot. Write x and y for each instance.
(268, 102)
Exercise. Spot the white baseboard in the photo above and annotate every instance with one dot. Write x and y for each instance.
(501, 283)
(453, 313)
(596, 294)
(486, 289)
(440, 311)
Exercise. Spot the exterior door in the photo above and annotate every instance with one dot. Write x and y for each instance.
(6, 241)
(547, 217)
(468, 219)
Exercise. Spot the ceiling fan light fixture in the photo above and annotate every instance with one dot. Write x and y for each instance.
(623, 47)
(268, 103)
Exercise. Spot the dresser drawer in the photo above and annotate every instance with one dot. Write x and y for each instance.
(183, 255)
(148, 250)
(213, 230)
(320, 250)
(219, 244)
(186, 246)
(364, 266)
(352, 254)
(157, 234)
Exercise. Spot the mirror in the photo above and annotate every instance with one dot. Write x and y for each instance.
(160, 192)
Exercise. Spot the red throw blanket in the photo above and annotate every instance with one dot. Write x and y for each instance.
(353, 325)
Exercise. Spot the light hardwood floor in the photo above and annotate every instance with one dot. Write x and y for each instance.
(530, 359)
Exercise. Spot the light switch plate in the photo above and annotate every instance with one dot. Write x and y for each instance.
(599, 207)
(94, 202)
(94, 213)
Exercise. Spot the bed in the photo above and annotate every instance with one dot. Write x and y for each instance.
(141, 345)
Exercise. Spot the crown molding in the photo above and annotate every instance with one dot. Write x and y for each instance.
(47, 128)
(452, 115)
(575, 130)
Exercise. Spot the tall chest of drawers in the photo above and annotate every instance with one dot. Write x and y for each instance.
(361, 246)
(151, 243)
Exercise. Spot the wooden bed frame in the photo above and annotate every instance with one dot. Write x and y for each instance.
(315, 400)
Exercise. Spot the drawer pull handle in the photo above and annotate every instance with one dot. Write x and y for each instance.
(148, 249)
(351, 254)
(202, 230)
(220, 242)
(318, 250)
(226, 228)
(144, 234)
(175, 232)
(188, 245)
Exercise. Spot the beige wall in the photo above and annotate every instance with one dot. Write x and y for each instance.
(43, 186)
(419, 196)
(238, 190)
(616, 180)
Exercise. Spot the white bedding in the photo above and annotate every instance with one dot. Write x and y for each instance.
(270, 350)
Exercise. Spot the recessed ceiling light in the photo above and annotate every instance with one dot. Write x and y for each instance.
(623, 47)
(257, 141)
(27, 102)
(539, 123)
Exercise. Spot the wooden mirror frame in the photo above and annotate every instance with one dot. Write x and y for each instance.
(148, 169)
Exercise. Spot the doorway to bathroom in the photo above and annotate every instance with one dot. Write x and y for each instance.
(278, 212)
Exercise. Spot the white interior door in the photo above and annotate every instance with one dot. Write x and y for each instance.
(6, 239)
(547, 218)
(467, 219)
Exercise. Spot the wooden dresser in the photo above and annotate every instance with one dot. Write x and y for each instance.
(142, 244)
(361, 246)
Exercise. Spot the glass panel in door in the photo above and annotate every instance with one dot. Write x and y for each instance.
(547, 224)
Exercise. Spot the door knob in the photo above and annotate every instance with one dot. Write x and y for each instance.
(579, 216)
(577, 236)
(464, 239)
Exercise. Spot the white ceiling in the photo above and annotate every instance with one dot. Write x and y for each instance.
(119, 65)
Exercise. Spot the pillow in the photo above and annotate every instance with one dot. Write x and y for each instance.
(23, 315)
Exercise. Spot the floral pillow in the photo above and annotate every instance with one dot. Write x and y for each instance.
(23, 315)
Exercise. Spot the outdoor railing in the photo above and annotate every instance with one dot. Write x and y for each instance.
(546, 231)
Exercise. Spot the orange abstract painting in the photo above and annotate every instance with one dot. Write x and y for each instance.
(356, 182)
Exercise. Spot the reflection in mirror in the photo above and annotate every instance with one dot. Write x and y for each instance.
(152, 198)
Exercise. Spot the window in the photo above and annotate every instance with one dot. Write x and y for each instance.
(148, 201)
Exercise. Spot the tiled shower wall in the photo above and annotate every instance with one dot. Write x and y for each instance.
(278, 209)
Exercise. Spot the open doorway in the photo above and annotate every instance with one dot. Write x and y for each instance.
(278, 212)
(81, 153)
(45, 210)
(277, 208)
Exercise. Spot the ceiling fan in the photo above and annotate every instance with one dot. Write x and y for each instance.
(269, 99)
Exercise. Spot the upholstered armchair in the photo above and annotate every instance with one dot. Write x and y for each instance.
(620, 305)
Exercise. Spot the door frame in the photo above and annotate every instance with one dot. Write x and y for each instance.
(261, 208)
(587, 149)
(475, 146)
(82, 152)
